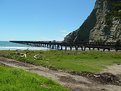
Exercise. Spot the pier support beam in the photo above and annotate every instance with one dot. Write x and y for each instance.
(70, 48)
(65, 48)
(76, 48)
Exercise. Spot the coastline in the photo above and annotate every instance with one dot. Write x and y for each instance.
(23, 48)
(6, 45)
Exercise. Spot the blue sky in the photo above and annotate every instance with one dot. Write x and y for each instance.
(41, 19)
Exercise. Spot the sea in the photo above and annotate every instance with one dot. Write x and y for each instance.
(6, 45)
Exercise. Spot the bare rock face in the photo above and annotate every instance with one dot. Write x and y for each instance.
(103, 24)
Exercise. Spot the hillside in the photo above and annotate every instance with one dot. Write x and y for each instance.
(103, 24)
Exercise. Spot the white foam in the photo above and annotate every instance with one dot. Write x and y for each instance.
(23, 48)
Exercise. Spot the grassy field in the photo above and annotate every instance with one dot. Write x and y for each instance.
(90, 61)
(12, 79)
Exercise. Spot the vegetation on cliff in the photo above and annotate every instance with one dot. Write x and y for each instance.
(116, 9)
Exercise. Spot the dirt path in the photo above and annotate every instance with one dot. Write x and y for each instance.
(115, 69)
(73, 82)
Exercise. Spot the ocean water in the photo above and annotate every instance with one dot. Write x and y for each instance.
(6, 45)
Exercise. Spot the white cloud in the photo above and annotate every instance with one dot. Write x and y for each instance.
(65, 32)
(59, 36)
(50, 39)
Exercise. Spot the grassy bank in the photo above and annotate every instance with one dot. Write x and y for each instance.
(90, 61)
(12, 79)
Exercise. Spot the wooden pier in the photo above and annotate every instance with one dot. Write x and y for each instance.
(59, 45)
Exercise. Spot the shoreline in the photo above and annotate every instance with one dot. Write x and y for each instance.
(23, 48)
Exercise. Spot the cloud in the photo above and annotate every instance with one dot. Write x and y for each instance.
(58, 36)
(50, 39)
(65, 32)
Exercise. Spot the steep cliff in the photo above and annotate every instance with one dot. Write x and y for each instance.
(103, 24)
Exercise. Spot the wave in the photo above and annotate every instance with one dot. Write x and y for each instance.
(6, 45)
(23, 48)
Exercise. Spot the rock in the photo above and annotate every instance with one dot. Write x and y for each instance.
(104, 78)
(103, 24)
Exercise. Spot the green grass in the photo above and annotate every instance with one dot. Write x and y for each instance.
(90, 61)
(12, 79)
